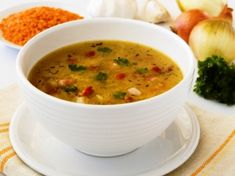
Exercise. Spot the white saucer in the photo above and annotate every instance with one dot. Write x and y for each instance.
(44, 153)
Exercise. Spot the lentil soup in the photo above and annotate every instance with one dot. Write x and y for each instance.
(105, 72)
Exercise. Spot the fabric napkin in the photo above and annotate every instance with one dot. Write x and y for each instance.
(214, 156)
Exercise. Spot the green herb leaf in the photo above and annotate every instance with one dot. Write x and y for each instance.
(70, 89)
(104, 49)
(122, 61)
(216, 80)
(77, 68)
(142, 70)
(101, 76)
(119, 95)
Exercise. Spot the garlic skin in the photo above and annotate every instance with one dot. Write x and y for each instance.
(112, 8)
(147, 10)
(140, 8)
(213, 37)
(151, 11)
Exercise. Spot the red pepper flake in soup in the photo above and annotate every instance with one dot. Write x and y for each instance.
(94, 68)
(72, 60)
(129, 99)
(87, 91)
(156, 69)
(90, 54)
(120, 76)
(19, 27)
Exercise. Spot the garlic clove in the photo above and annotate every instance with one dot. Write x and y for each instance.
(112, 8)
(156, 12)
(151, 11)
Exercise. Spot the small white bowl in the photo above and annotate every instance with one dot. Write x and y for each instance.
(106, 130)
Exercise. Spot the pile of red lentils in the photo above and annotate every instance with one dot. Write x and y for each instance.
(18, 28)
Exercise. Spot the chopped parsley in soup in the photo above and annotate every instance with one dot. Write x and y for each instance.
(105, 72)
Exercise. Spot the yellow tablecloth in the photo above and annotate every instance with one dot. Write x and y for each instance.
(214, 156)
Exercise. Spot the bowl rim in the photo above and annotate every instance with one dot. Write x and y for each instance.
(22, 78)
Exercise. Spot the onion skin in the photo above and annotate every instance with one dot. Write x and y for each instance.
(226, 14)
(185, 22)
(213, 37)
(212, 7)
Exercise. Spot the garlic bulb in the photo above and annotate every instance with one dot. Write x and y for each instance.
(147, 10)
(151, 11)
(112, 8)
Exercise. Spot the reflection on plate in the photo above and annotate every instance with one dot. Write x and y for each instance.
(79, 8)
(44, 153)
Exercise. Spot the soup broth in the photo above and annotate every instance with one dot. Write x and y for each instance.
(105, 72)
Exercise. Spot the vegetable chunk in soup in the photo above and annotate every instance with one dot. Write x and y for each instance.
(105, 72)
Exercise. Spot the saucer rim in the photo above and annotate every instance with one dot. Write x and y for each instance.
(188, 150)
(176, 161)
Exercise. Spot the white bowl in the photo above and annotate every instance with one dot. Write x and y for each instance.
(106, 130)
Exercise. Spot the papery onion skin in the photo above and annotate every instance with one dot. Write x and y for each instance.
(212, 7)
(226, 14)
(185, 22)
(213, 37)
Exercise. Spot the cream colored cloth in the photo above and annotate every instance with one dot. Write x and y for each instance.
(10, 164)
(214, 156)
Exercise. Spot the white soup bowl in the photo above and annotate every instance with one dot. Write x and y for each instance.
(106, 130)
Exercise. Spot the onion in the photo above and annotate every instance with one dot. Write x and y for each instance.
(213, 37)
(184, 23)
(212, 7)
